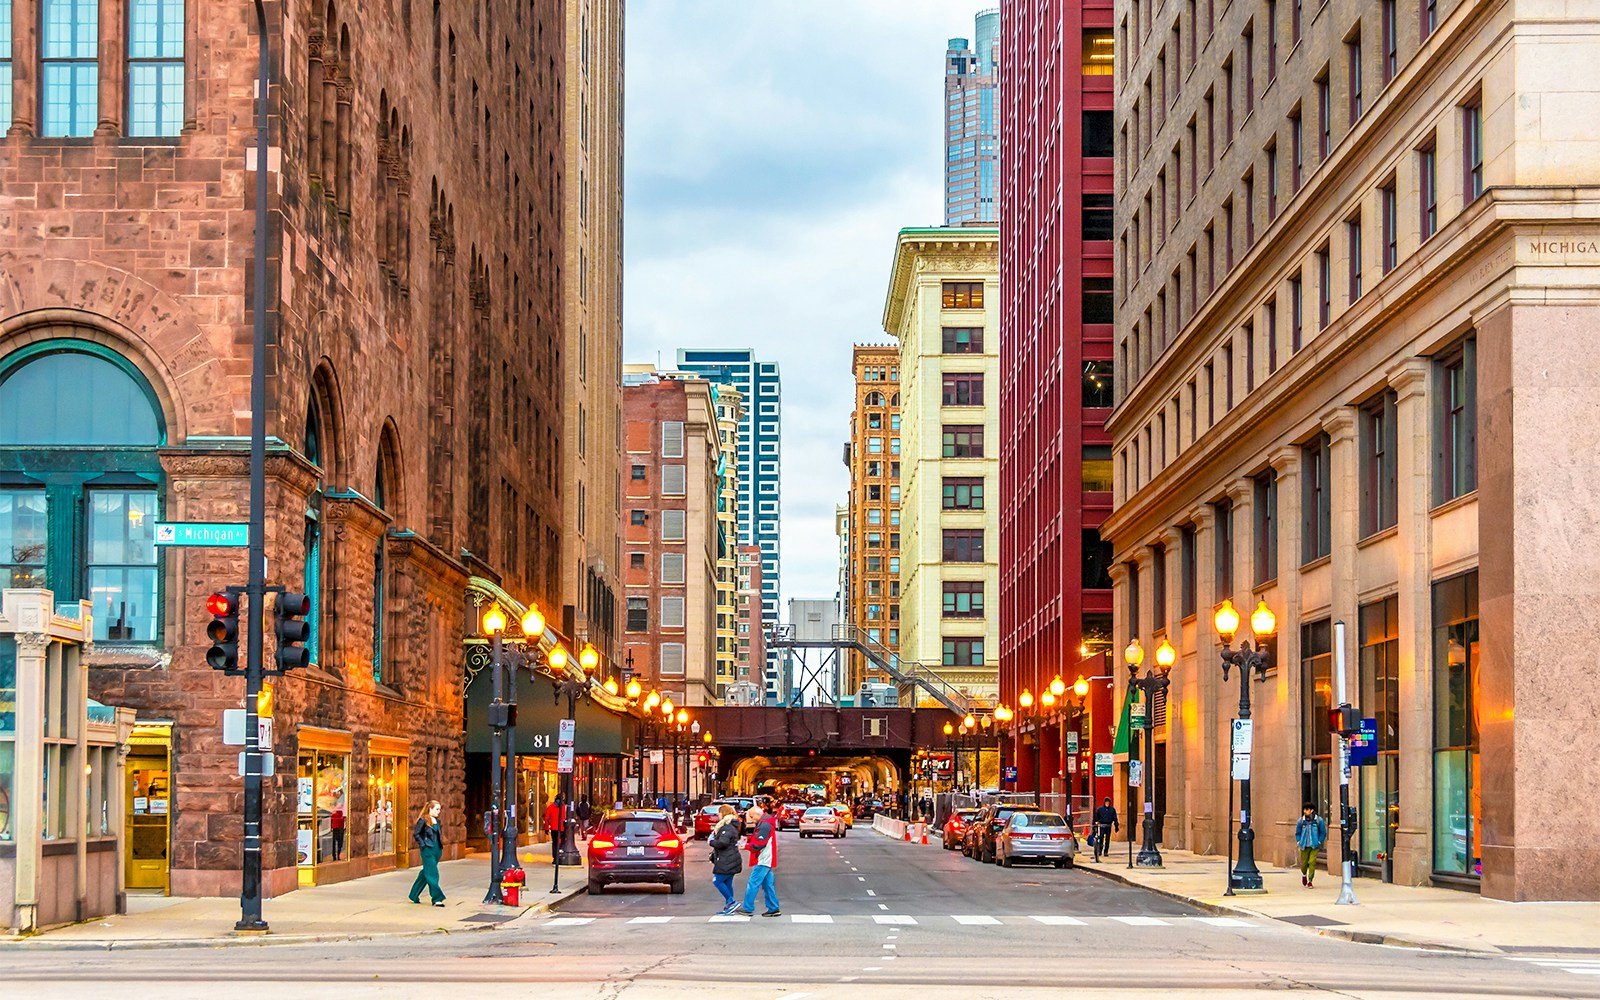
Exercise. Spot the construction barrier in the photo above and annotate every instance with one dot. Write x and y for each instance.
(911, 833)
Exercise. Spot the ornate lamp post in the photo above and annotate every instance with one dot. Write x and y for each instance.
(1153, 682)
(956, 760)
(571, 686)
(1002, 717)
(1245, 875)
(500, 827)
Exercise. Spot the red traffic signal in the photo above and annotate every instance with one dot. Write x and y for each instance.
(290, 631)
(223, 631)
(222, 604)
(702, 760)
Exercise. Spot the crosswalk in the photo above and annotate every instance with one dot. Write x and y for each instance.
(1577, 966)
(909, 920)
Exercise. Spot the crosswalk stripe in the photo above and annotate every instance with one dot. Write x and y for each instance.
(975, 920)
(1584, 965)
(729, 918)
(1553, 960)
(568, 921)
(811, 918)
(1141, 921)
(888, 918)
(1225, 921)
(1055, 921)
(649, 920)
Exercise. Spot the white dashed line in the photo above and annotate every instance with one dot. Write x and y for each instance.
(649, 920)
(1141, 921)
(978, 921)
(568, 921)
(1056, 921)
(729, 918)
(1225, 921)
(812, 918)
(900, 918)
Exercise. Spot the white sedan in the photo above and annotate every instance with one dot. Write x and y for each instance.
(821, 819)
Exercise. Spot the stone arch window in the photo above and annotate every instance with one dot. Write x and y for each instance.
(80, 483)
(313, 447)
(386, 496)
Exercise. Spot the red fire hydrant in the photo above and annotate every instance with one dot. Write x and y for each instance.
(511, 883)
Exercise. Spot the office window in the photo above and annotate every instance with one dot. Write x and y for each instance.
(962, 441)
(1249, 337)
(1098, 216)
(637, 474)
(1324, 117)
(155, 67)
(963, 493)
(1096, 561)
(673, 567)
(1379, 465)
(1297, 150)
(1428, 190)
(638, 614)
(1131, 596)
(1353, 62)
(963, 598)
(962, 294)
(1391, 42)
(672, 658)
(1352, 229)
(963, 653)
(1316, 698)
(1097, 468)
(1457, 789)
(1316, 508)
(674, 525)
(1227, 373)
(1324, 286)
(5, 66)
(1158, 585)
(69, 38)
(674, 480)
(120, 563)
(1296, 19)
(963, 340)
(1097, 301)
(672, 439)
(1098, 48)
(1098, 134)
(1472, 149)
(1429, 11)
(1266, 525)
(1456, 423)
(1222, 554)
(636, 517)
(1272, 181)
(636, 560)
(1272, 41)
(1269, 316)
(1097, 384)
(1227, 102)
(1388, 209)
(964, 545)
(963, 389)
(1189, 586)
(1296, 313)
(1248, 39)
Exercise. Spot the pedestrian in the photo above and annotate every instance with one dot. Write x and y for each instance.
(336, 824)
(1105, 820)
(555, 819)
(661, 802)
(585, 811)
(1311, 832)
(725, 860)
(763, 847)
(927, 807)
(430, 844)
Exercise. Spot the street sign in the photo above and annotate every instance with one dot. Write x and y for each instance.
(1364, 745)
(201, 534)
(1008, 773)
(1241, 767)
(1135, 773)
(564, 758)
(233, 728)
(1072, 765)
(1242, 731)
(657, 756)
(1104, 765)
(569, 730)
(1136, 717)
(1072, 741)
(266, 764)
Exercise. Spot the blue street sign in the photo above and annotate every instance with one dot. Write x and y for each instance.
(1008, 773)
(205, 535)
(1364, 745)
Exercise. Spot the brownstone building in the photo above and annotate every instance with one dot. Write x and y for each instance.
(414, 340)
(873, 457)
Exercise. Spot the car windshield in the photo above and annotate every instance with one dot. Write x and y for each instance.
(819, 811)
(965, 814)
(710, 810)
(636, 828)
(1037, 819)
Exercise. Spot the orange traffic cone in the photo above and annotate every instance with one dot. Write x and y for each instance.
(924, 835)
(908, 833)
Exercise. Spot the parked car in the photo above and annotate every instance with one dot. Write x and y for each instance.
(632, 846)
(1036, 836)
(704, 820)
(821, 819)
(844, 814)
(988, 826)
(955, 828)
(789, 815)
(742, 803)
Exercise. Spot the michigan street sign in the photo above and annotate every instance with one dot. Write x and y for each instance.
(196, 534)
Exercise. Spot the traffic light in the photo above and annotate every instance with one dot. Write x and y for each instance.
(703, 759)
(291, 630)
(223, 630)
(1344, 720)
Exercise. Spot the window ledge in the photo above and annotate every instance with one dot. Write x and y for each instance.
(1317, 563)
(1450, 505)
(1378, 536)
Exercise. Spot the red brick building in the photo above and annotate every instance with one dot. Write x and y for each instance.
(414, 340)
(1055, 377)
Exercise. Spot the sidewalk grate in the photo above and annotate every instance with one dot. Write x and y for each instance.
(1312, 920)
(488, 918)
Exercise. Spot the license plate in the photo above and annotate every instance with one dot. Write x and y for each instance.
(635, 852)
(1041, 836)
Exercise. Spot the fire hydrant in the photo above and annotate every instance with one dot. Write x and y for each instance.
(511, 883)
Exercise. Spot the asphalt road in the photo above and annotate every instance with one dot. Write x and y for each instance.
(864, 915)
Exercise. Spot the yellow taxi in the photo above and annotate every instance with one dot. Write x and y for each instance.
(844, 814)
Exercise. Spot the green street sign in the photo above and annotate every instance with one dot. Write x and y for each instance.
(207, 535)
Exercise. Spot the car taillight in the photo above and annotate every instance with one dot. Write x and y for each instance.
(1058, 836)
(600, 843)
(670, 843)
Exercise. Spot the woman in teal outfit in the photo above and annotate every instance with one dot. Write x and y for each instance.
(430, 842)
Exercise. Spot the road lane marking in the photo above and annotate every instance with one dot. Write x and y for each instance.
(568, 921)
(729, 918)
(811, 918)
(883, 906)
(886, 918)
(1225, 921)
(861, 878)
(649, 920)
(871, 893)
(794, 996)
(1057, 921)
(1141, 921)
(974, 920)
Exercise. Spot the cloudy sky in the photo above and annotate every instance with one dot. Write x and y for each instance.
(774, 149)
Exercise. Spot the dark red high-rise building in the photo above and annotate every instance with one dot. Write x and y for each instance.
(1056, 100)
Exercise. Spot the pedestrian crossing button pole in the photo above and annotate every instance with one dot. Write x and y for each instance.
(1345, 723)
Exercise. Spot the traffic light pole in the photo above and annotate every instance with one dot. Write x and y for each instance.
(1341, 746)
(250, 918)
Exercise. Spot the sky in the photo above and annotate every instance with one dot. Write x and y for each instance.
(774, 148)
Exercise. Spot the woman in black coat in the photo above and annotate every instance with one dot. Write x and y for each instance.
(725, 859)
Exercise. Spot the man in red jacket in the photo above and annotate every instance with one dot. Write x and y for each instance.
(763, 847)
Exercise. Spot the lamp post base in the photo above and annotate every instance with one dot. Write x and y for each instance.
(1149, 853)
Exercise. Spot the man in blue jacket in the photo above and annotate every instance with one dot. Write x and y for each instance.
(1310, 833)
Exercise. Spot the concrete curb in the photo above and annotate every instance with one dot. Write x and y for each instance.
(1343, 934)
(43, 942)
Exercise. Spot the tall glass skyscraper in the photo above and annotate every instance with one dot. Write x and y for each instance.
(760, 449)
(972, 125)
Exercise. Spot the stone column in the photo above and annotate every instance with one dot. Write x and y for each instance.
(111, 95)
(1344, 486)
(1192, 752)
(1277, 761)
(27, 791)
(1172, 630)
(1413, 852)
(25, 87)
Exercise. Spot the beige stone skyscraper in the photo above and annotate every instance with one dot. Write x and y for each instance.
(1358, 290)
(872, 600)
(591, 481)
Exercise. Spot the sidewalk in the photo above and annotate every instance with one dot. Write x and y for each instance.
(1411, 916)
(371, 907)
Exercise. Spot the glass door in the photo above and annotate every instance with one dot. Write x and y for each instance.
(148, 802)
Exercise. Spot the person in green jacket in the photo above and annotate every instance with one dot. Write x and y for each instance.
(430, 843)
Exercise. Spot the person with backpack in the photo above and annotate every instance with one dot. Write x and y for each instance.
(585, 811)
(763, 847)
(1310, 833)
(725, 860)
(1105, 820)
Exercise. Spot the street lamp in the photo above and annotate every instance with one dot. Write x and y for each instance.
(1263, 623)
(1153, 682)
(566, 853)
(499, 824)
(1058, 687)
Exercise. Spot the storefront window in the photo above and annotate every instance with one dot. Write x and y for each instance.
(386, 806)
(1456, 785)
(324, 793)
(1316, 697)
(1380, 699)
(122, 564)
(7, 766)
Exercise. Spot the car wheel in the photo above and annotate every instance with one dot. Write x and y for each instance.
(596, 887)
(844, 832)
(1004, 862)
(1064, 863)
(677, 887)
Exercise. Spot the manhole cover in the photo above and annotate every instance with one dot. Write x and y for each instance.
(1312, 920)
(487, 918)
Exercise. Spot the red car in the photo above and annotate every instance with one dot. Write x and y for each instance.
(704, 820)
(789, 815)
(955, 828)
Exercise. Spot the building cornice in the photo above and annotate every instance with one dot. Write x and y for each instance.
(961, 248)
